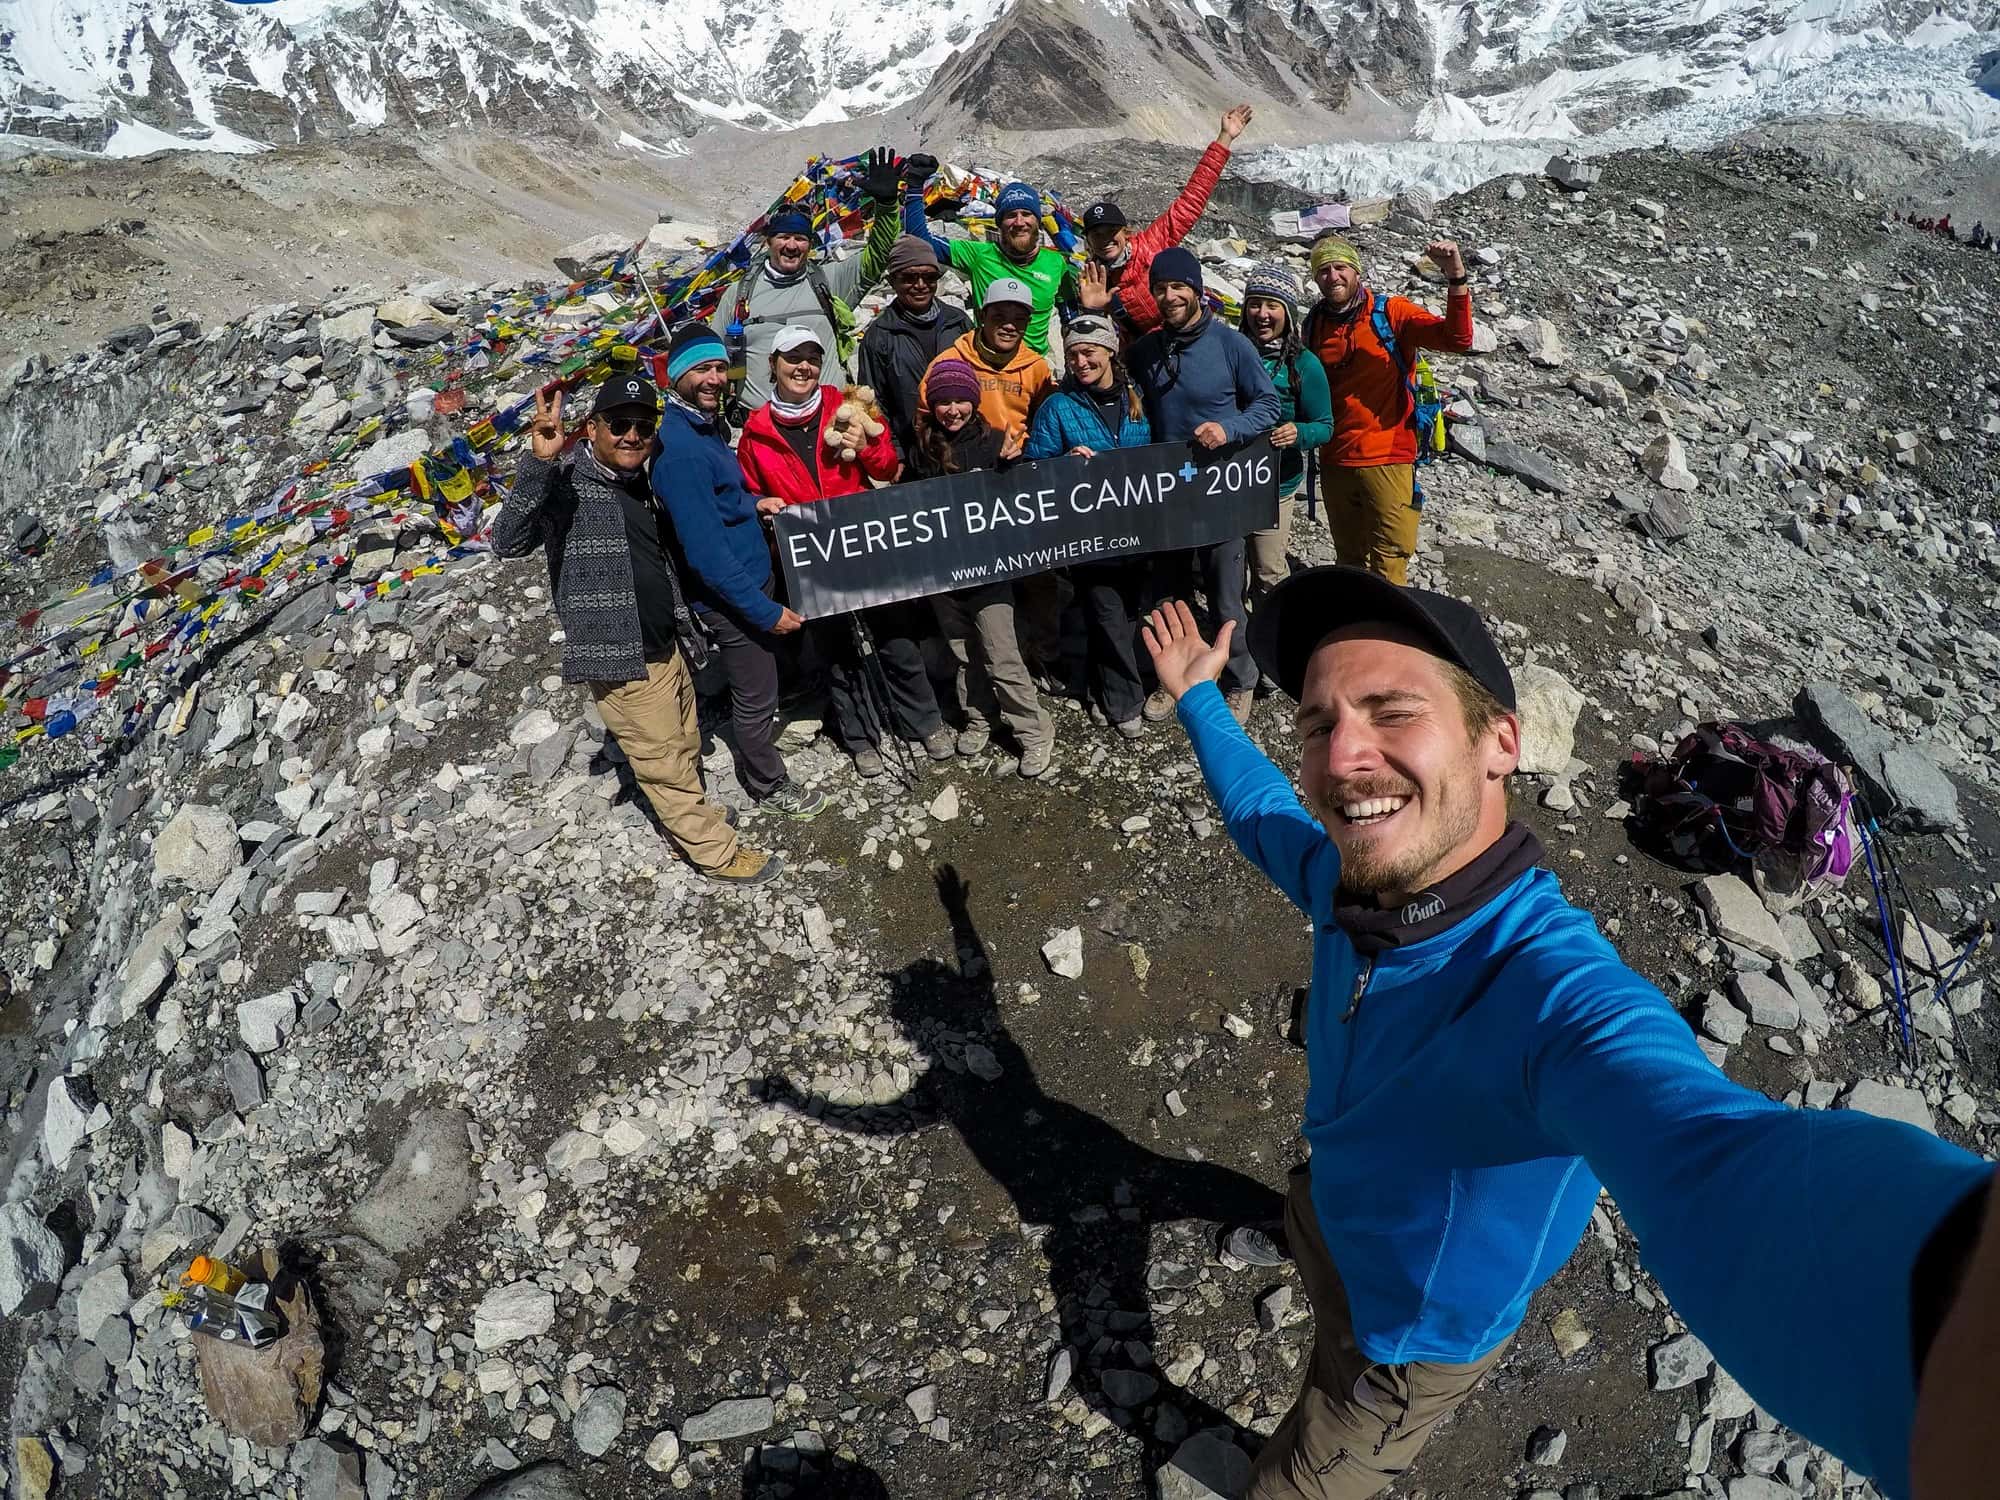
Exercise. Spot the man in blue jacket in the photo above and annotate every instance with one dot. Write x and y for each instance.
(1480, 1060)
(728, 564)
(1204, 382)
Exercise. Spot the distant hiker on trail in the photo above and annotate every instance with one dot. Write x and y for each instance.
(787, 285)
(1270, 320)
(994, 682)
(1480, 1060)
(785, 458)
(1116, 282)
(907, 335)
(729, 572)
(1203, 382)
(628, 634)
(1015, 251)
(1368, 472)
(1098, 408)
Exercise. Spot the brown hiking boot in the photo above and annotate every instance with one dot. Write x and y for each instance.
(749, 867)
(1159, 706)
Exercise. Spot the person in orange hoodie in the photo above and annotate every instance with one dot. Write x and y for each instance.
(785, 459)
(1012, 376)
(1369, 469)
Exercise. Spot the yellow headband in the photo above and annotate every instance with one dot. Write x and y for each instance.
(1332, 250)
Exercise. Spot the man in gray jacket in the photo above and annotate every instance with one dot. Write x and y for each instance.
(628, 635)
(788, 286)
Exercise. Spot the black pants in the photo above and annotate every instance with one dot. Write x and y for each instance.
(1112, 597)
(1219, 573)
(753, 700)
(898, 631)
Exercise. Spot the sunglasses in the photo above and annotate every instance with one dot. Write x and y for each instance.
(917, 278)
(626, 426)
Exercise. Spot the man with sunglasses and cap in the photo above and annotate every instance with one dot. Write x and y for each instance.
(907, 336)
(787, 286)
(628, 634)
(1480, 1060)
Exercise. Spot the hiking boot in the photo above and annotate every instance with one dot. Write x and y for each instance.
(1260, 1244)
(868, 762)
(940, 744)
(749, 867)
(1132, 729)
(790, 800)
(1037, 760)
(1240, 703)
(974, 738)
(1159, 706)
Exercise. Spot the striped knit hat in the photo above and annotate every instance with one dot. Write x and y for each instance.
(1273, 278)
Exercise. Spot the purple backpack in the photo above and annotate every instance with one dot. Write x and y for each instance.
(1725, 799)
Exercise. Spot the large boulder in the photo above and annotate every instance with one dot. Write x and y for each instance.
(396, 451)
(31, 1257)
(1548, 709)
(198, 847)
(428, 1187)
(543, 1481)
(342, 339)
(582, 259)
(1573, 173)
(407, 312)
(1666, 462)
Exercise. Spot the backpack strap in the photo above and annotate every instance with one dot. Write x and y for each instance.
(1378, 319)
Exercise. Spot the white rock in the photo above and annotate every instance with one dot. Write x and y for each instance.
(1666, 461)
(265, 1022)
(198, 846)
(64, 1124)
(30, 1256)
(1548, 709)
(1890, 1102)
(508, 1314)
(102, 1296)
(944, 806)
(295, 712)
(532, 728)
(664, 1451)
(1063, 953)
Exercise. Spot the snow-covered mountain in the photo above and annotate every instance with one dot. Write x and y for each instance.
(1472, 77)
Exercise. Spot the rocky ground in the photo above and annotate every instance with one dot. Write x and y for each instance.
(899, 1177)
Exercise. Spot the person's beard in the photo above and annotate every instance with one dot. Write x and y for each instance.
(1369, 867)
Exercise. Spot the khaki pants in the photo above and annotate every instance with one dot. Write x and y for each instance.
(1373, 516)
(654, 719)
(993, 680)
(1268, 565)
(1356, 1425)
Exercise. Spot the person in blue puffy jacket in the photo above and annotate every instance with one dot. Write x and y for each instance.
(1096, 408)
(1480, 1061)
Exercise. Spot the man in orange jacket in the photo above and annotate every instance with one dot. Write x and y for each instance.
(1369, 468)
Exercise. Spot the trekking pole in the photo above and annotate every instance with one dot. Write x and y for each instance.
(1888, 940)
(875, 698)
(1931, 960)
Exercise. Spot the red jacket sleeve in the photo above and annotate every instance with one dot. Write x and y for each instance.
(1420, 328)
(879, 459)
(1172, 226)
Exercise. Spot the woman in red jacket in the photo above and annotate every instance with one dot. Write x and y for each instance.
(785, 458)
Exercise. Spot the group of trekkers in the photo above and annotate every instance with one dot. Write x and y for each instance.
(1145, 360)
(1481, 1063)
(1979, 237)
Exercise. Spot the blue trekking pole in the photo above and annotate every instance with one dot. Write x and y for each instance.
(1888, 935)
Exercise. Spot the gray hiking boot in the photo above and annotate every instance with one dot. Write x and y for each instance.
(1261, 1244)
(941, 744)
(793, 801)
(1038, 760)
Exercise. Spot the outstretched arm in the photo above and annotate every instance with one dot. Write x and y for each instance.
(1186, 210)
(893, 1118)
(917, 171)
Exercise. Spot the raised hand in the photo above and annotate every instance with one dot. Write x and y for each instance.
(1181, 658)
(545, 436)
(1234, 123)
(879, 176)
(1447, 257)
(1093, 286)
(918, 168)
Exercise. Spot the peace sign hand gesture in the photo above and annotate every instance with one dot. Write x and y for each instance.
(545, 437)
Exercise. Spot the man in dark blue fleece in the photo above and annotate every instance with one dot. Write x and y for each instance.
(728, 572)
(1480, 1060)
(1203, 382)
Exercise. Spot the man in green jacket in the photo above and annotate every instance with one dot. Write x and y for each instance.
(1015, 250)
(1271, 322)
(788, 286)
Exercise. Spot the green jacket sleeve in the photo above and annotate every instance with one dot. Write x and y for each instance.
(1313, 402)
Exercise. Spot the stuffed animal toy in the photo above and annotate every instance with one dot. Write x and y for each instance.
(857, 422)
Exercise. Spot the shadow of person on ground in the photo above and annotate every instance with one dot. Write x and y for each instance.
(1097, 1192)
(787, 1474)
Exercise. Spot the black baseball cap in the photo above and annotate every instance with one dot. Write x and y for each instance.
(1310, 605)
(625, 390)
(1103, 215)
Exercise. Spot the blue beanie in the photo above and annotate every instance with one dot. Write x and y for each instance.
(789, 221)
(1175, 263)
(1017, 195)
(693, 344)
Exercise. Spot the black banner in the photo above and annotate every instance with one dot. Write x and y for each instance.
(938, 535)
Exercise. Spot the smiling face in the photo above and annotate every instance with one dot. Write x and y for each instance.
(1180, 304)
(703, 385)
(1264, 319)
(916, 289)
(789, 252)
(1338, 282)
(1089, 363)
(795, 373)
(1001, 326)
(952, 416)
(1020, 233)
(1406, 788)
(622, 437)
(1108, 245)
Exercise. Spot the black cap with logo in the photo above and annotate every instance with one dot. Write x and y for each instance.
(1310, 605)
(1103, 215)
(625, 390)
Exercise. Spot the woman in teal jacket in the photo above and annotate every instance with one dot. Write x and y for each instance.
(1270, 321)
(1095, 408)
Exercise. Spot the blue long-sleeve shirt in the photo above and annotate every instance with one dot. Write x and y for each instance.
(715, 519)
(1491, 1075)
(1217, 376)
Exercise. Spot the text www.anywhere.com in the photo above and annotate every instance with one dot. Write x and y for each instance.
(1042, 557)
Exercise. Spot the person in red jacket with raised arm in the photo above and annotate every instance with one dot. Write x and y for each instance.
(1369, 469)
(1115, 281)
(785, 458)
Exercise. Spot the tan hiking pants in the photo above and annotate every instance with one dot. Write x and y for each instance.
(654, 719)
(1373, 516)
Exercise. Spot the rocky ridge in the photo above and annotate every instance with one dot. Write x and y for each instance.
(601, 1179)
